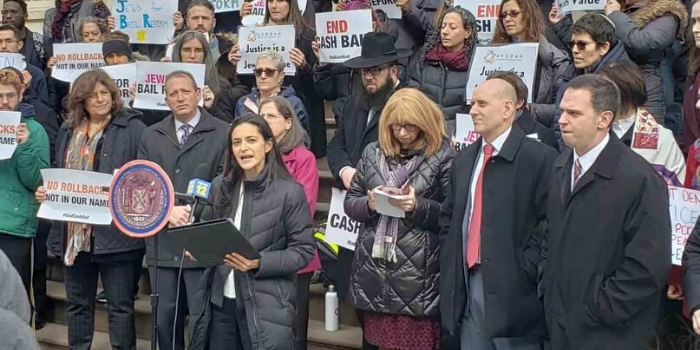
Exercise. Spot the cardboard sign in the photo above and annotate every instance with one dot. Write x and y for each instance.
(340, 34)
(15, 60)
(486, 13)
(464, 132)
(684, 205)
(9, 122)
(226, 5)
(517, 58)
(254, 41)
(150, 82)
(340, 229)
(145, 21)
(76, 196)
(124, 75)
(75, 59)
(257, 16)
(388, 6)
(568, 6)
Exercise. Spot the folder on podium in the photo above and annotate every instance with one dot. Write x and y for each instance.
(209, 242)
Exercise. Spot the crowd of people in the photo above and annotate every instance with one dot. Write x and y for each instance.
(551, 231)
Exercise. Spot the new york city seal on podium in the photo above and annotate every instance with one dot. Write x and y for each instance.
(141, 198)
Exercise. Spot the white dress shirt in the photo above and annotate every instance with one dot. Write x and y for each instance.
(621, 126)
(588, 159)
(192, 123)
(497, 145)
(230, 284)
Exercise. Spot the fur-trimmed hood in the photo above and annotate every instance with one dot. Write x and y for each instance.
(654, 9)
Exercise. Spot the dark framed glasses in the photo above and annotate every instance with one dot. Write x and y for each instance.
(267, 71)
(374, 71)
(580, 44)
(411, 128)
(511, 14)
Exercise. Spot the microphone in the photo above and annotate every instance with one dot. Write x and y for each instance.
(199, 188)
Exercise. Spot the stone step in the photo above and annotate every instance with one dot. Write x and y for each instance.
(55, 336)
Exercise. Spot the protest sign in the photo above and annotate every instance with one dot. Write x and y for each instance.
(145, 21)
(340, 229)
(76, 196)
(254, 41)
(15, 60)
(464, 131)
(388, 6)
(124, 75)
(226, 5)
(340, 34)
(486, 13)
(150, 82)
(684, 205)
(568, 6)
(257, 15)
(517, 58)
(9, 121)
(75, 59)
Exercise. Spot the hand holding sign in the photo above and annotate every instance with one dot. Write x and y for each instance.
(611, 6)
(178, 21)
(40, 194)
(22, 133)
(297, 57)
(235, 54)
(404, 5)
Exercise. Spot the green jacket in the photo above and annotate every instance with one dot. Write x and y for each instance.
(20, 176)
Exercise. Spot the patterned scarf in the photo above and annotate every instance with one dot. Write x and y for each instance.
(387, 231)
(81, 156)
(63, 9)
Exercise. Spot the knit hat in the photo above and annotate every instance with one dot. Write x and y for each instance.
(118, 46)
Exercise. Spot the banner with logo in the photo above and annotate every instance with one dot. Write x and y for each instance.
(257, 15)
(150, 82)
(340, 229)
(124, 75)
(76, 196)
(226, 5)
(9, 122)
(254, 41)
(340, 34)
(517, 58)
(15, 60)
(75, 59)
(568, 6)
(684, 205)
(464, 132)
(388, 6)
(486, 13)
(145, 21)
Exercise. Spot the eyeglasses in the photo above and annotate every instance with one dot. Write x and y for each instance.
(511, 14)
(269, 72)
(374, 71)
(580, 44)
(410, 128)
(272, 116)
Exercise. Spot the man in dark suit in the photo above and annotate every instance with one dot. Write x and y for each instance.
(609, 247)
(490, 244)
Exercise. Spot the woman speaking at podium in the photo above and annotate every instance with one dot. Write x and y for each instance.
(252, 303)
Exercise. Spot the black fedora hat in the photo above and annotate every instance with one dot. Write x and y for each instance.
(377, 49)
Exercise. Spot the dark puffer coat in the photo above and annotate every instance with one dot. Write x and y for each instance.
(409, 286)
(277, 222)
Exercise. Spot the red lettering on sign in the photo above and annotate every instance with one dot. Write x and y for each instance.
(488, 11)
(339, 26)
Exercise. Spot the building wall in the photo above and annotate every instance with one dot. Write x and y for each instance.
(36, 9)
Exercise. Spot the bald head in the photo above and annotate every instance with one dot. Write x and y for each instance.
(493, 108)
(500, 89)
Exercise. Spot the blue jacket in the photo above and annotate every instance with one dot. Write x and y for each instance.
(287, 92)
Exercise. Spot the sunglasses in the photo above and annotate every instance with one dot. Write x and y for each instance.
(580, 44)
(511, 14)
(269, 72)
(410, 128)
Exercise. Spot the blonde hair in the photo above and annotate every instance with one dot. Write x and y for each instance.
(410, 106)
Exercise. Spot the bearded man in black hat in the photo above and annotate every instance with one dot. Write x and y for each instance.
(357, 123)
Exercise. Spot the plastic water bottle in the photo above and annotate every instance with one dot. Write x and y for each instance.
(331, 309)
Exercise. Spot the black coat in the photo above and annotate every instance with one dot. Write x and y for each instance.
(410, 285)
(160, 144)
(120, 146)
(277, 222)
(529, 126)
(513, 213)
(691, 270)
(608, 252)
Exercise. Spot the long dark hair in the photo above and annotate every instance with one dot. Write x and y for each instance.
(533, 22)
(435, 38)
(84, 87)
(211, 74)
(296, 135)
(294, 17)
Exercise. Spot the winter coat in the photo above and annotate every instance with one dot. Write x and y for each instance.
(20, 176)
(552, 62)
(160, 144)
(287, 92)
(334, 82)
(37, 49)
(691, 117)
(515, 185)
(606, 266)
(408, 286)
(87, 8)
(533, 128)
(647, 30)
(277, 223)
(223, 106)
(48, 120)
(15, 311)
(38, 84)
(121, 140)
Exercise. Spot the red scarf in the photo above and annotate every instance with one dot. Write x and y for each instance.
(457, 60)
(62, 11)
(691, 117)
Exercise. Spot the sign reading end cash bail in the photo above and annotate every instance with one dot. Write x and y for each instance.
(517, 58)
(340, 229)
(486, 13)
(340, 34)
(256, 40)
(76, 196)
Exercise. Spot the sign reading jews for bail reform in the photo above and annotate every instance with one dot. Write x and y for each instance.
(150, 82)
(340, 229)
(517, 58)
(124, 75)
(464, 131)
(340, 34)
(9, 122)
(77, 196)
(145, 21)
(684, 206)
(74, 59)
(226, 5)
(388, 6)
(254, 41)
(486, 13)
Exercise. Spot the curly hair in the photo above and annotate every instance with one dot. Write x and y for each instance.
(434, 38)
(533, 22)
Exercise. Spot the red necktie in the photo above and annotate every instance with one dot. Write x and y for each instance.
(577, 171)
(474, 238)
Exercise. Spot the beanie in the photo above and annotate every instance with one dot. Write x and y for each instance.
(118, 46)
